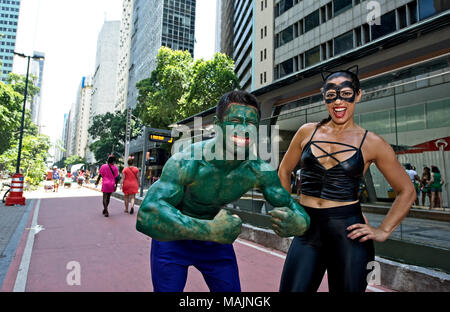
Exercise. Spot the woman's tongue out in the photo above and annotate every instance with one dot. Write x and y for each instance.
(339, 112)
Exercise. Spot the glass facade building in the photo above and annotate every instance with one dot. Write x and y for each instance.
(9, 17)
(156, 23)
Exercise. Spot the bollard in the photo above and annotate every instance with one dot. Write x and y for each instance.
(15, 196)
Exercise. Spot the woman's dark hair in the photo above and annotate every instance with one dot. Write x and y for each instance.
(130, 161)
(236, 96)
(435, 169)
(347, 73)
(111, 159)
(426, 169)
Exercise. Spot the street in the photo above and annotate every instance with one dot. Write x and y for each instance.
(69, 246)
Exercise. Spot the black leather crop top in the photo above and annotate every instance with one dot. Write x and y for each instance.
(339, 183)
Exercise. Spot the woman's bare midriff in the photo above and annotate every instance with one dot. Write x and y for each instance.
(314, 202)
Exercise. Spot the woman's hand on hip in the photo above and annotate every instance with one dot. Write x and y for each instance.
(366, 232)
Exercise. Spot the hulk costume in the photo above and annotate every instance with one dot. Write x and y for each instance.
(183, 211)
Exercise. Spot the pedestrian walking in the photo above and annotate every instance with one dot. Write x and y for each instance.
(56, 177)
(108, 173)
(130, 184)
(425, 181)
(412, 173)
(436, 183)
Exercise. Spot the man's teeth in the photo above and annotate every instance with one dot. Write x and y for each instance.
(239, 140)
(340, 109)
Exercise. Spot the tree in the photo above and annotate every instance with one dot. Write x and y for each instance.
(110, 130)
(33, 156)
(159, 95)
(210, 80)
(74, 159)
(10, 114)
(18, 83)
(180, 87)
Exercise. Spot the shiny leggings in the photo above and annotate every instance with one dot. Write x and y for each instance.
(326, 247)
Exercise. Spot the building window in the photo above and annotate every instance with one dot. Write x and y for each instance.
(261, 55)
(429, 8)
(262, 33)
(312, 56)
(265, 31)
(341, 6)
(312, 20)
(401, 13)
(387, 25)
(343, 43)
(412, 10)
(286, 35)
(286, 68)
(261, 78)
(265, 54)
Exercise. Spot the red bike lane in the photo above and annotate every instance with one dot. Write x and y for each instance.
(79, 250)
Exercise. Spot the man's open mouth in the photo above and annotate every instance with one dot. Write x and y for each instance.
(240, 141)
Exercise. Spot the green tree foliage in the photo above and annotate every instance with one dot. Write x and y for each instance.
(74, 159)
(34, 146)
(180, 87)
(34, 153)
(109, 131)
(18, 84)
(10, 114)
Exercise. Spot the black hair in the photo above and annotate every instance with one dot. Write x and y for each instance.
(435, 169)
(347, 73)
(236, 96)
(408, 167)
(111, 159)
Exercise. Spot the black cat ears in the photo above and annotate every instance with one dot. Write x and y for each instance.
(326, 73)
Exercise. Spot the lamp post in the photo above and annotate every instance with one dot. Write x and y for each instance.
(16, 194)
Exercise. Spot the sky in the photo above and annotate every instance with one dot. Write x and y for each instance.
(66, 31)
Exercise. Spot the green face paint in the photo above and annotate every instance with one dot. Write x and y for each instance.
(240, 131)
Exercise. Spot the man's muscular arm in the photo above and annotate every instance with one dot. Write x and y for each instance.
(289, 218)
(159, 218)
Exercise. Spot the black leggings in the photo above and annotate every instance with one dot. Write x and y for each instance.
(325, 246)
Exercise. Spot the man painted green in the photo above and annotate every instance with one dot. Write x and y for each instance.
(183, 211)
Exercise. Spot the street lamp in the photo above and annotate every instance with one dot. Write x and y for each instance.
(37, 58)
(15, 195)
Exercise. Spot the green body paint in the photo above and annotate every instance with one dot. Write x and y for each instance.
(186, 202)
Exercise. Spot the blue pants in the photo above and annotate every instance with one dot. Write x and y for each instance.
(169, 262)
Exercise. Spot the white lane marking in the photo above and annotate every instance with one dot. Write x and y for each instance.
(22, 274)
(261, 249)
(371, 288)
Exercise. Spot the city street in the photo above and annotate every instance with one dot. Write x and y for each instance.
(73, 248)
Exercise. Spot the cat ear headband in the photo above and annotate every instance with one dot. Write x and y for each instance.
(326, 73)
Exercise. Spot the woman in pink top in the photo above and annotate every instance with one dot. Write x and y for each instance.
(108, 172)
(130, 184)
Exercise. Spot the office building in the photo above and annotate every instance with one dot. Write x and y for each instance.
(124, 54)
(9, 17)
(157, 23)
(235, 36)
(37, 70)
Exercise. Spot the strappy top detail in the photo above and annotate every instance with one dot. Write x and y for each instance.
(338, 183)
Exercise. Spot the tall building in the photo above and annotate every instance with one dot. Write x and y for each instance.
(157, 23)
(84, 102)
(124, 54)
(105, 74)
(237, 36)
(9, 17)
(104, 81)
(37, 70)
